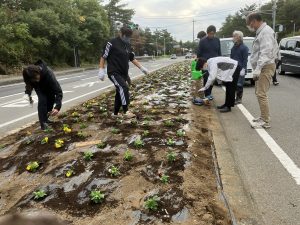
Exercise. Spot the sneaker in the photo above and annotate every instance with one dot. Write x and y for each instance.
(198, 101)
(275, 83)
(210, 97)
(256, 120)
(238, 101)
(129, 115)
(261, 125)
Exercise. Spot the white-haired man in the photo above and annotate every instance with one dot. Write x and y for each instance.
(264, 53)
(239, 52)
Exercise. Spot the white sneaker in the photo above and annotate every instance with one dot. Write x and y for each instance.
(258, 119)
(261, 125)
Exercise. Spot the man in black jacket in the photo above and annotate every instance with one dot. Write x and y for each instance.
(117, 53)
(41, 78)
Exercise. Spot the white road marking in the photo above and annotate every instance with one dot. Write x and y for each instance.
(280, 154)
(88, 78)
(7, 96)
(89, 84)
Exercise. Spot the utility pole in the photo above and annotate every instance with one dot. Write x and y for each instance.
(274, 8)
(193, 30)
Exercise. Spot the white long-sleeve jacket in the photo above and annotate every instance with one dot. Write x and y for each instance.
(265, 48)
(221, 68)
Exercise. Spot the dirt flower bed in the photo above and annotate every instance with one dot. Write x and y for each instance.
(91, 168)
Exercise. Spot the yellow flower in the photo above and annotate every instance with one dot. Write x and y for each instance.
(69, 173)
(45, 140)
(59, 143)
(28, 168)
(67, 130)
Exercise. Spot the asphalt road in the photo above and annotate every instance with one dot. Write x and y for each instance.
(268, 161)
(15, 111)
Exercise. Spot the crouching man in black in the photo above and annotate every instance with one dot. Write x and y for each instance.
(41, 78)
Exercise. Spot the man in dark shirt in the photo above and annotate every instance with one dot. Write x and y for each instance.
(41, 78)
(209, 47)
(117, 53)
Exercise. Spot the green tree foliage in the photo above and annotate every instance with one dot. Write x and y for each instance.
(32, 29)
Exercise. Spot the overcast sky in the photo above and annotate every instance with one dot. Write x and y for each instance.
(177, 15)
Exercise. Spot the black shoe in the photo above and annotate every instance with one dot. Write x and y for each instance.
(238, 101)
(44, 126)
(275, 83)
(221, 106)
(225, 109)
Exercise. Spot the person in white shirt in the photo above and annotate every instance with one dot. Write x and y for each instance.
(264, 53)
(226, 70)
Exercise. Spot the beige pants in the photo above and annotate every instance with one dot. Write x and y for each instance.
(262, 86)
(196, 85)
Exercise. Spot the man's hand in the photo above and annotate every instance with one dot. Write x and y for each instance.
(256, 74)
(144, 70)
(202, 89)
(243, 73)
(101, 74)
(54, 112)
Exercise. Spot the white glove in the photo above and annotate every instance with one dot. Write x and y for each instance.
(202, 89)
(256, 74)
(243, 72)
(144, 70)
(102, 74)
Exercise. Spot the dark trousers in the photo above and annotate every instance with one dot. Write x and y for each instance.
(205, 78)
(231, 88)
(45, 105)
(122, 93)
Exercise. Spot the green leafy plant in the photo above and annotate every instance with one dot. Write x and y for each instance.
(164, 179)
(29, 141)
(102, 109)
(32, 166)
(114, 171)
(88, 155)
(45, 140)
(91, 115)
(48, 130)
(75, 114)
(134, 122)
(146, 123)
(2, 146)
(171, 157)
(83, 126)
(169, 123)
(115, 130)
(39, 194)
(170, 142)
(81, 134)
(152, 203)
(180, 133)
(102, 145)
(138, 143)
(96, 196)
(146, 133)
(128, 156)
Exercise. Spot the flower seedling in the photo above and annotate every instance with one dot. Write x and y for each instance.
(128, 156)
(32, 166)
(134, 122)
(170, 142)
(179, 119)
(88, 156)
(115, 130)
(180, 133)
(83, 126)
(45, 141)
(152, 203)
(146, 123)
(29, 141)
(114, 171)
(164, 179)
(102, 145)
(76, 120)
(70, 173)
(90, 115)
(102, 109)
(138, 143)
(39, 194)
(75, 114)
(146, 133)
(59, 143)
(81, 134)
(171, 156)
(48, 130)
(96, 196)
(169, 123)
(67, 129)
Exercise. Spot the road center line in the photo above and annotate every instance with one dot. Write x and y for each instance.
(280, 154)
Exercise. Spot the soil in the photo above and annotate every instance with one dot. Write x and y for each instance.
(161, 103)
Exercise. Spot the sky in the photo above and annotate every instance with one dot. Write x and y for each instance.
(177, 15)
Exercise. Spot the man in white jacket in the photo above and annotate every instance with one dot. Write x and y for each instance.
(226, 70)
(264, 52)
